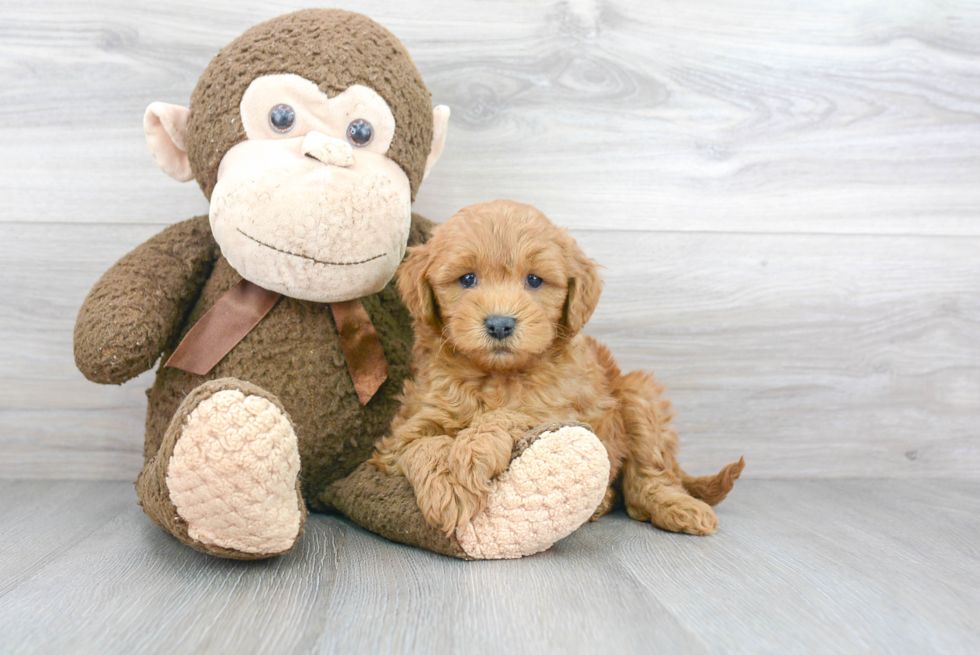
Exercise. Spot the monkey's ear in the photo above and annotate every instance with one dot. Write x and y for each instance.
(440, 125)
(166, 134)
(415, 289)
(584, 287)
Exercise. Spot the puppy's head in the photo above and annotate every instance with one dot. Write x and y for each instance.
(500, 283)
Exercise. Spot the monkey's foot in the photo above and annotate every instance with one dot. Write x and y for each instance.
(226, 478)
(555, 482)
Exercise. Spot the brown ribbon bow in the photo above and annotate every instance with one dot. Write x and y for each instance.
(362, 348)
(242, 307)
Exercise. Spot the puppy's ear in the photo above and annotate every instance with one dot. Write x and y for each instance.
(414, 286)
(584, 287)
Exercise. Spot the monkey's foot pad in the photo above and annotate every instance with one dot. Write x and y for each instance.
(550, 490)
(232, 475)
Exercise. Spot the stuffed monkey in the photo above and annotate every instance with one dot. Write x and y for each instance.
(283, 348)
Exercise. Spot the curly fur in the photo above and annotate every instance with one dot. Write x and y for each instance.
(473, 397)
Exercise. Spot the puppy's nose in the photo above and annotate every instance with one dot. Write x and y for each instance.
(500, 327)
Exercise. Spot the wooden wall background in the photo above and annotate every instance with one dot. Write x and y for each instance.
(785, 194)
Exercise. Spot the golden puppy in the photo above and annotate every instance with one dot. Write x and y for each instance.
(499, 295)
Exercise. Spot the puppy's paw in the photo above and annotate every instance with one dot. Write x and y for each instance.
(447, 505)
(688, 515)
(552, 487)
(479, 454)
(469, 503)
(438, 502)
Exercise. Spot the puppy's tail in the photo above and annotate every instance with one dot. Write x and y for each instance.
(712, 489)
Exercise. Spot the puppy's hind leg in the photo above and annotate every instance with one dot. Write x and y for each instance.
(654, 494)
(712, 489)
(651, 489)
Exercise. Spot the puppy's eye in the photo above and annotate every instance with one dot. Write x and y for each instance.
(282, 118)
(534, 281)
(468, 281)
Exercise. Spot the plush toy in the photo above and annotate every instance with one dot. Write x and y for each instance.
(283, 346)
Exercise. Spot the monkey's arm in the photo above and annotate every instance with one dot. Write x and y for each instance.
(450, 474)
(565, 469)
(136, 308)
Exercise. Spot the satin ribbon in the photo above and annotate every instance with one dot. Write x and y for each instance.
(362, 348)
(242, 308)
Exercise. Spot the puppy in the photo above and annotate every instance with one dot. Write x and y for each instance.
(499, 296)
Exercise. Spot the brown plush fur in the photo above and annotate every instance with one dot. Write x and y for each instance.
(151, 488)
(474, 396)
(142, 307)
(145, 304)
(331, 47)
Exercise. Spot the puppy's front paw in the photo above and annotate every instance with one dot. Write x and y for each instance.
(552, 486)
(478, 455)
(446, 504)
(437, 502)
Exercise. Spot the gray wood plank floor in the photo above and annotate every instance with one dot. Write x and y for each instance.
(835, 566)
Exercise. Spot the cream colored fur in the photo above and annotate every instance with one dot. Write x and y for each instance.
(545, 495)
(315, 111)
(276, 212)
(440, 127)
(282, 199)
(232, 475)
(328, 150)
(165, 126)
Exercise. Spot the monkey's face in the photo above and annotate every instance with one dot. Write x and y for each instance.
(310, 194)
(309, 205)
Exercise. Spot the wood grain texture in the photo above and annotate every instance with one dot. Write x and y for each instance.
(858, 117)
(797, 567)
(784, 196)
(39, 522)
(813, 356)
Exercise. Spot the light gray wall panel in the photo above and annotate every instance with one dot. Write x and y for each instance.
(751, 116)
(812, 355)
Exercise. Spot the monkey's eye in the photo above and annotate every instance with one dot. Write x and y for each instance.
(282, 118)
(360, 132)
(468, 281)
(534, 281)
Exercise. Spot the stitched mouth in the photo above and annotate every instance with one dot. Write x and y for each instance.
(312, 259)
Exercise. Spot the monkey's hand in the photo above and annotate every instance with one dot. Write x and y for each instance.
(135, 310)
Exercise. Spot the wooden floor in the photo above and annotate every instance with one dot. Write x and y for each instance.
(798, 567)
